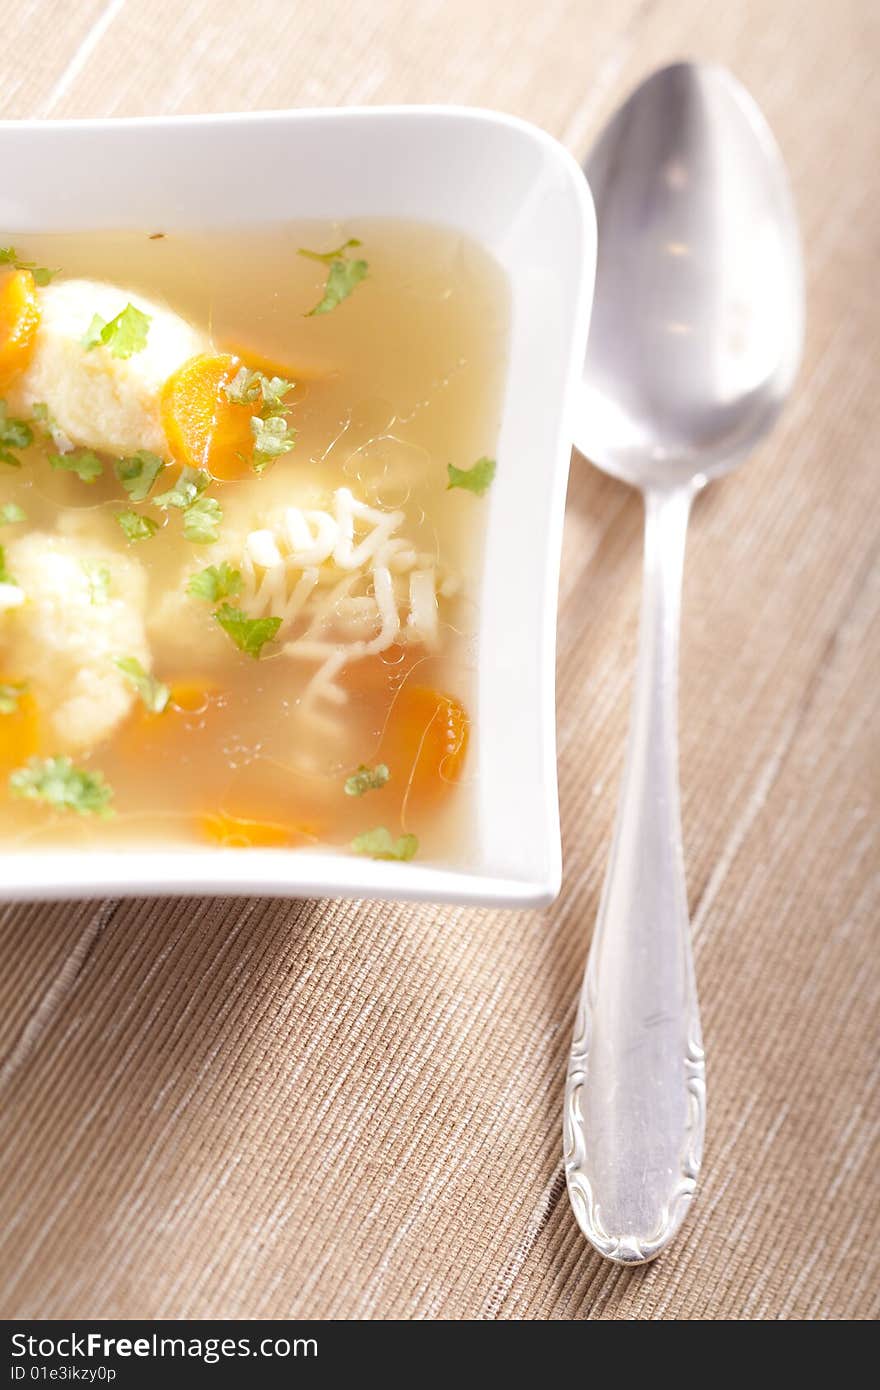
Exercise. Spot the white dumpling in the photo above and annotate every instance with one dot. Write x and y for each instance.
(64, 636)
(100, 401)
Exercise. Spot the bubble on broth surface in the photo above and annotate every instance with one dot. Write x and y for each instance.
(388, 470)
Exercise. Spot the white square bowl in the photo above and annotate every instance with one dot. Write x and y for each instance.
(516, 191)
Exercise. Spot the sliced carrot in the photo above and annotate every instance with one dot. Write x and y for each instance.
(19, 320)
(19, 732)
(241, 832)
(424, 732)
(424, 745)
(203, 427)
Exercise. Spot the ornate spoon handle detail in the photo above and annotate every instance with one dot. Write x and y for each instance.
(635, 1094)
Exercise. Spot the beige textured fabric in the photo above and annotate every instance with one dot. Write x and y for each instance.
(216, 1108)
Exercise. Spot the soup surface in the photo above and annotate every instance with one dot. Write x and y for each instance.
(243, 493)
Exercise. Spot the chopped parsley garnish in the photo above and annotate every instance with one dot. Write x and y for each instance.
(249, 634)
(244, 388)
(215, 583)
(42, 276)
(123, 336)
(272, 438)
(380, 844)
(14, 434)
(328, 257)
(273, 390)
(344, 275)
(366, 779)
(201, 521)
(138, 473)
(57, 782)
(191, 483)
(83, 462)
(272, 434)
(154, 694)
(98, 582)
(201, 515)
(43, 416)
(5, 576)
(137, 527)
(10, 696)
(476, 479)
(247, 387)
(10, 513)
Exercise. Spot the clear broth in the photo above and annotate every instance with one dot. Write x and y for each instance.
(401, 379)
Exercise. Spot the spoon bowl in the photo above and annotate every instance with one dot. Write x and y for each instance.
(698, 315)
(694, 345)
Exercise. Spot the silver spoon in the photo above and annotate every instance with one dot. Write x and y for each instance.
(695, 341)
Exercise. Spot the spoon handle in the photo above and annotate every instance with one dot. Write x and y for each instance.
(635, 1093)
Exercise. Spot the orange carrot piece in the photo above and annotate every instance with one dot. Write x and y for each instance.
(241, 832)
(203, 427)
(19, 732)
(425, 745)
(19, 320)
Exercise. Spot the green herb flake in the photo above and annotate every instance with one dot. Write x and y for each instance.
(250, 635)
(58, 783)
(92, 336)
(272, 438)
(5, 576)
(244, 388)
(215, 583)
(10, 696)
(138, 473)
(201, 515)
(154, 694)
(10, 513)
(328, 257)
(272, 434)
(343, 277)
(201, 521)
(274, 389)
(14, 434)
(123, 335)
(366, 779)
(98, 581)
(83, 462)
(477, 479)
(42, 275)
(191, 483)
(136, 527)
(380, 844)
